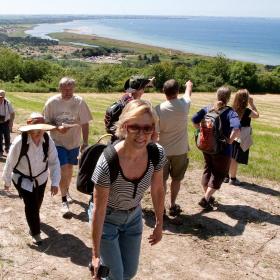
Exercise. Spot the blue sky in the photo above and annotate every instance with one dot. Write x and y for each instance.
(253, 8)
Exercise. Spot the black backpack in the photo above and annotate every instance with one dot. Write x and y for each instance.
(209, 136)
(112, 115)
(89, 160)
(23, 152)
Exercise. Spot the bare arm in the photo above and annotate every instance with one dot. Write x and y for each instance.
(11, 121)
(101, 195)
(254, 112)
(157, 193)
(188, 91)
(85, 133)
(234, 134)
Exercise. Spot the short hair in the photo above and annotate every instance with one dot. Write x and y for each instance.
(132, 110)
(2, 92)
(171, 87)
(66, 81)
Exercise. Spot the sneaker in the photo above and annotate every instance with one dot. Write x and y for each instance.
(37, 240)
(234, 182)
(205, 204)
(213, 202)
(65, 210)
(226, 180)
(69, 198)
(175, 210)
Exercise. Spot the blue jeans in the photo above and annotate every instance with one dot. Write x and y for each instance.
(121, 242)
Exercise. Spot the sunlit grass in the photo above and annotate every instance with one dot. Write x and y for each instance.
(264, 154)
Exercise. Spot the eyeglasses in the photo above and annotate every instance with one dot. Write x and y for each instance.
(135, 129)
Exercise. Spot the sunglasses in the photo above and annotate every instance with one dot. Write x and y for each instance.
(136, 129)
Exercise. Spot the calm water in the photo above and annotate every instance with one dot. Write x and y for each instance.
(248, 39)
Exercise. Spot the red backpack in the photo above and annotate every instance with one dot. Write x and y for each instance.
(209, 137)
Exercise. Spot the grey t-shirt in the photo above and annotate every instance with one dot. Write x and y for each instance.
(173, 122)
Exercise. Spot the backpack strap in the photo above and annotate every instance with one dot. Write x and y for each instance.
(111, 157)
(46, 146)
(153, 153)
(24, 147)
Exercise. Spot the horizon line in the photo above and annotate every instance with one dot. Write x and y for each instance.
(143, 15)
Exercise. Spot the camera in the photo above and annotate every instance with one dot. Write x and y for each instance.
(103, 271)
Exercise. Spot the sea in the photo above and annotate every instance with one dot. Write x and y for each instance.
(247, 39)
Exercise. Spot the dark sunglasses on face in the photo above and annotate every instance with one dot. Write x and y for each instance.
(135, 128)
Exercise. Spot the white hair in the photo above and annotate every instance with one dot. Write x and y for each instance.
(66, 81)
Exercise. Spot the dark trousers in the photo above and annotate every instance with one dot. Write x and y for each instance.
(33, 201)
(5, 131)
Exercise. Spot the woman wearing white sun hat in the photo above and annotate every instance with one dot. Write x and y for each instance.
(31, 155)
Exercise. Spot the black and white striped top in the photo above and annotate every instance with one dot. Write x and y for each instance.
(123, 190)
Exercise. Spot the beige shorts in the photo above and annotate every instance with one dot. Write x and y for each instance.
(176, 167)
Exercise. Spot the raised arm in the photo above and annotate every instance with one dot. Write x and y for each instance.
(254, 112)
(188, 91)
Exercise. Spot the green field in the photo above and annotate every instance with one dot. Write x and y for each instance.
(264, 155)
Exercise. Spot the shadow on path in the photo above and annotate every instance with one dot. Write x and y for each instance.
(205, 227)
(258, 189)
(64, 246)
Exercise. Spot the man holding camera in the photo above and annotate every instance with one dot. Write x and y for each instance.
(7, 116)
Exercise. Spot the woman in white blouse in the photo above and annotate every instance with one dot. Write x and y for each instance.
(31, 155)
(117, 218)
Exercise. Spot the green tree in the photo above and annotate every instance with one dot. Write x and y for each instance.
(162, 71)
(10, 64)
(244, 75)
(34, 70)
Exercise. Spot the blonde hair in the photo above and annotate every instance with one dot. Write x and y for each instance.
(223, 97)
(66, 81)
(131, 111)
(240, 102)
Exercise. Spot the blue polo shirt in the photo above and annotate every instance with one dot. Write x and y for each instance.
(229, 119)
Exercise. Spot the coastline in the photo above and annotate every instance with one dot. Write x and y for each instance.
(203, 37)
(83, 39)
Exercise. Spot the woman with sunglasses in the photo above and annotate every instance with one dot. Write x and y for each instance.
(31, 155)
(117, 218)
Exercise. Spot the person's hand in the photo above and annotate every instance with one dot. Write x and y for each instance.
(6, 188)
(156, 236)
(11, 128)
(54, 190)
(96, 264)
(61, 129)
(189, 84)
(83, 146)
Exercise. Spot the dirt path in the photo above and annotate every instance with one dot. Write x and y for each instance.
(239, 240)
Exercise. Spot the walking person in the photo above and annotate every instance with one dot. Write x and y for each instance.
(216, 166)
(173, 136)
(117, 218)
(32, 154)
(134, 89)
(71, 115)
(241, 145)
(7, 115)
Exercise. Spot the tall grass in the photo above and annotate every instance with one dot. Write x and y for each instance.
(264, 154)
